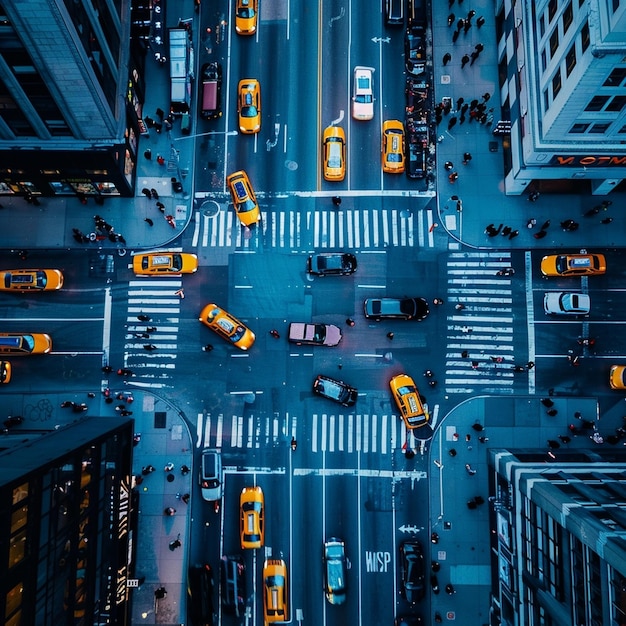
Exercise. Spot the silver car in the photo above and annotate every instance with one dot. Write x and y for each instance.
(211, 481)
(566, 303)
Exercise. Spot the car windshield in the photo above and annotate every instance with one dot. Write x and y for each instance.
(245, 11)
(561, 264)
(334, 152)
(248, 109)
(331, 262)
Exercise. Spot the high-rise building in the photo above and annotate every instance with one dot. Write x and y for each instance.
(558, 537)
(563, 88)
(65, 517)
(71, 94)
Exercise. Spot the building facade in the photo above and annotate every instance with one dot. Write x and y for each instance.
(66, 532)
(558, 537)
(563, 88)
(71, 94)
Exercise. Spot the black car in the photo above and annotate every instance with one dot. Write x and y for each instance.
(331, 264)
(395, 309)
(200, 594)
(233, 579)
(334, 558)
(408, 620)
(415, 50)
(335, 390)
(412, 564)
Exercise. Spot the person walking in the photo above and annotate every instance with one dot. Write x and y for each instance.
(169, 467)
(469, 469)
(207, 348)
(390, 335)
(350, 322)
(606, 220)
(473, 56)
(336, 201)
(274, 333)
(467, 157)
(148, 221)
(175, 544)
(453, 177)
(451, 19)
(480, 21)
(447, 57)
(464, 60)
(170, 511)
(448, 166)
(455, 35)
(149, 347)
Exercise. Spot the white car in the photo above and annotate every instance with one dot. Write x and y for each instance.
(566, 303)
(363, 93)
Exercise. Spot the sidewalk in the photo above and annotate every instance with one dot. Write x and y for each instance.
(463, 549)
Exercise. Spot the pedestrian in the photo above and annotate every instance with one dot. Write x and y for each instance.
(530, 365)
(469, 469)
(336, 200)
(207, 348)
(460, 23)
(452, 452)
(274, 333)
(470, 505)
(160, 159)
(142, 317)
(547, 402)
(540, 235)
(146, 192)
(169, 467)
(389, 335)
(147, 153)
(148, 469)
(459, 306)
(506, 230)
(453, 177)
(466, 26)
(467, 157)
(148, 221)
(464, 354)
(564, 438)
(432, 383)
(466, 329)
(170, 510)
(151, 329)
(531, 223)
(438, 618)
(448, 166)
(409, 454)
(552, 412)
(447, 57)
(597, 438)
(483, 439)
(513, 234)
(464, 60)
(175, 544)
(149, 347)
(450, 589)
(160, 593)
(350, 322)
(455, 35)
(479, 47)
(107, 369)
(180, 293)
(185, 498)
(451, 19)
(553, 444)
(473, 56)
(452, 123)
(606, 220)
(438, 301)
(480, 21)
(474, 365)
(149, 121)
(161, 207)
(184, 470)
(428, 374)
(477, 427)
(471, 14)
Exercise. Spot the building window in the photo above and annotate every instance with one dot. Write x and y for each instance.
(542, 26)
(554, 41)
(568, 17)
(546, 100)
(617, 104)
(599, 129)
(552, 7)
(622, 130)
(616, 77)
(544, 62)
(584, 35)
(597, 103)
(615, 5)
(570, 59)
(578, 129)
(556, 84)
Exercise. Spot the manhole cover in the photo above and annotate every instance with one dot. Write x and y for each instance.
(210, 208)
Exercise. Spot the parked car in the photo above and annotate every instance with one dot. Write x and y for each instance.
(415, 50)
(251, 517)
(200, 594)
(392, 148)
(331, 264)
(363, 93)
(31, 280)
(233, 584)
(314, 334)
(334, 560)
(566, 303)
(211, 475)
(395, 309)
(412, 565)
(227, 326)
(409, 401)
(335, 390)
(573, 264)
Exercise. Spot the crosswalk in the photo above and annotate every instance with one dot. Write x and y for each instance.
(483, 329)
(305, 230)
(321, 432)
(157, 298)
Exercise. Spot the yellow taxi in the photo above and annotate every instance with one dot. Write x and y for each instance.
(19, 344)
(5, 372)
(227, 326)
(573, 264)
(245, 17)
(249, 106)
(409, 402)
(251, 512)
(617, 377)
(169, 263)
(31, 280)
(244, 199)
(334, 153)
(275, 597)
(393, 147)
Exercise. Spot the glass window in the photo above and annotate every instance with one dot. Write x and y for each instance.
(568, 17)
(597, 103)
(617, 104)
(616, 77)
(554, 41)
(584, 35)
(556, 83)
(579, 128)
(615, 5)
(622, 130)
(599, 129)
(546, 100)
(552, 7)
(570, 59)
(542, 26)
